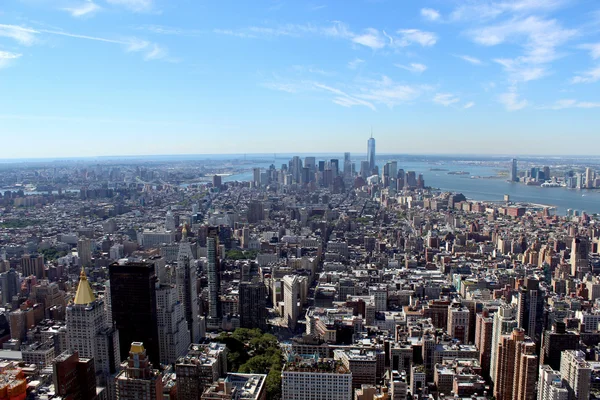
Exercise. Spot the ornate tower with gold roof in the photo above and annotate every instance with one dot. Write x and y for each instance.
(89, 334)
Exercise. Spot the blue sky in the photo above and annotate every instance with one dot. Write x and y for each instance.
(131, 77)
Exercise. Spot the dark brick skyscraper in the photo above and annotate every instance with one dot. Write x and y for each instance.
(253, 305)
(133, 295)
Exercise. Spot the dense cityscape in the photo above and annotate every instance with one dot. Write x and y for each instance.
(320, 279)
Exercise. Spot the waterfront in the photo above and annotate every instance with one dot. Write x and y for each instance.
(487, 185)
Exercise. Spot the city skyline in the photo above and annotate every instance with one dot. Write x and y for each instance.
(146, 77)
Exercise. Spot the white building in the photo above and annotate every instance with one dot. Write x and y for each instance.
(458, 322)
(303, 379)
(504, 323)
(89, 334)
(291, 292)
(550, 386)
(173, 333)
(576, 373)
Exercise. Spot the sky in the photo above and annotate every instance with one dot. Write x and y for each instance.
(142, 77)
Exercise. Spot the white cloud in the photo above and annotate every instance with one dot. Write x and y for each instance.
(590, 76)
(486, 10)
(570, 103)
(133, 5)
(594, 49)
(371, 38)
(519, 72)
(469, 105)
(471, 60)
(83, 9)
(511, 100)
(7, 57)
(151, 51)
(413, 67)
(415, 36)
(367, 93)
(539, 37)
(25, 36)
(445, 99)
(430, 14)
(355, 63)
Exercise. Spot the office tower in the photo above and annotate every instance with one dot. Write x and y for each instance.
(458, 322)
(133, 301)
(84, 251)
(530, 308)
(256, 176)
(484, 328)
(555, 342)
(88, 333)
(9, 284)
(170, 224)
(550, 385)
(217, 181)
(589, 178)
(517, 367)
(199, 368)
(253, 305)
(74, 377)
(291, 292)
(576, 374)
(410, 179)
(311, 164)
(173, 333)
(514, 175)
(334, 163)
(214, 281)
(255, 212)
(505, 320)
(547, 173)
(371, 154)
(138, 380)
(307, 378)
(365, 169)
(579, 257)
(296, 168)
(187, 288)
(33, 265)
(347, 165)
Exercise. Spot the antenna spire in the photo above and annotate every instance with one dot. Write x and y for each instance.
(371, 131)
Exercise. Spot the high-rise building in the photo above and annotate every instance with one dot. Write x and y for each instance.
(514, 174)
(9, 284)
(555, 342)
(371, 154)
(305, 378)
(505, 320)
(199, 368)
(187, 287)
(33, 265)
(89, 335)
(576, 373)
(458, 322)
(484, 328)
(173, 333)
(84, 251)
(291, 292)
(550, 385)
(138, 380)
(214, 280)
(74, 377)
(217, 181)
(580, 257)
(133, 301)
(530, 309)
(517, 372)
(589, 178)
(253, 305)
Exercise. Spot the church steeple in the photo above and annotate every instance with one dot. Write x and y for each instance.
(84, 294)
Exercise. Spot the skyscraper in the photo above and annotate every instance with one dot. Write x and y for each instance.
(88, 333)
(173, 334)
(214, 280)
(253, 305)
(504, 322)
(291, 292)
(371, 153)
(9, 284)
(580, 249)
(133, 301)
(516, 373)
(576, 373)
(514, 176)
(187, 287)
(139, 380)
(74, 377)
(84, 251)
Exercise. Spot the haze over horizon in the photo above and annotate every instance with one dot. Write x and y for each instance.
(83, 78)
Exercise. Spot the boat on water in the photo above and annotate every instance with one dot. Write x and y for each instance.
(551, 185)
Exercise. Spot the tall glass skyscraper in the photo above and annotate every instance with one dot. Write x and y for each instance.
(371, 153)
